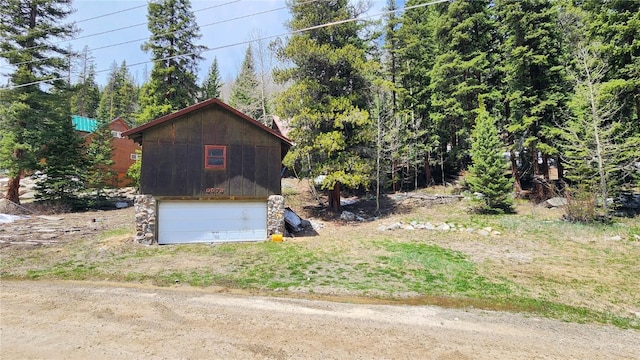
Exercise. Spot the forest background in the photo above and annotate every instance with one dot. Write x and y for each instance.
(384, 102)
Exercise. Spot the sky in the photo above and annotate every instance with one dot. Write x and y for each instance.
(218, 23)
(114, 30)
(225, 25)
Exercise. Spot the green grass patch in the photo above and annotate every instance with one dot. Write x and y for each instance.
(433, 270)
(68, 270)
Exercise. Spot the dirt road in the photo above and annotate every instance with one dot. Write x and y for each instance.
(66, 320)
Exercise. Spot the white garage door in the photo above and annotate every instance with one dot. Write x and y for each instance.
(211, 221)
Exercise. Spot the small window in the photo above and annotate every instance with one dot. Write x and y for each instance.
(215, 157)
(134, 157)
(116, 134)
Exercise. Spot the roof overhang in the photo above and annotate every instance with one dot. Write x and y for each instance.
(136, 133)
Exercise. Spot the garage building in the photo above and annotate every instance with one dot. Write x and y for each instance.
(208, 172)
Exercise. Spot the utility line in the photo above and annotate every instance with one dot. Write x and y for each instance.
(146, 38)
(106, 31)
(205, 25)
(333, 23)
(111, 13)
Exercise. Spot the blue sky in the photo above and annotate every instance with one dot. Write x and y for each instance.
(269, 18)
(213, 36)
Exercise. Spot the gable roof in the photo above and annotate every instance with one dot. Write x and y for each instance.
(280, 126)
(84, 124)
(136, 133)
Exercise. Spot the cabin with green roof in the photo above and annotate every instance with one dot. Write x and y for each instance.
(124, 150)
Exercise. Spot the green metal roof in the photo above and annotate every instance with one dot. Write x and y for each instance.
(85, 124)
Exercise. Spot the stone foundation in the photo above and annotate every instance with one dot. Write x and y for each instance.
(275, 215)
(145, 206)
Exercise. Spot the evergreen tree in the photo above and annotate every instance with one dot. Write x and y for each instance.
(100, 156)
(30, 29)
(328, 97)
(461, 72)
(173, 83)
(386, 109)
(536, 87)
(245, 93)
(487, 172)
(599, 149)
(120, 96)
(85, 97)
(417, 137)
(615, 26)
(212, 84)
(63, 167)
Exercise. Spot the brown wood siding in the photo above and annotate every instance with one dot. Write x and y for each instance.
(173, 157)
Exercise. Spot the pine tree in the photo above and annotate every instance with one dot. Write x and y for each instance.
(62, 171)
(245, 93)
(30, 29)
(416, 52)
(173, 83)
(120, 96)
(100, 155)
(615, 26)
(461, 72)
(212, 84)
(328, 97)
(536, 86)
(487, 173)
(599, 149)
(85, 97)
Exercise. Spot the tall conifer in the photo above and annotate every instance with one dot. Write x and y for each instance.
(175, 54)
(119, 97)
(536, 86)
(461, 72)
(245, 93)
(28, 114)
(328, 97)
(212, 84)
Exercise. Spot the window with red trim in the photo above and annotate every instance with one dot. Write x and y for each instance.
(215, 157)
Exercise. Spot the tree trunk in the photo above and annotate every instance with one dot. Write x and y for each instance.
(442, 167)
(334, 198)
(560, 168)
(544, 168)
(534, 160)
(427, 170)
(394, 178)
(13, 193)
(516, 177)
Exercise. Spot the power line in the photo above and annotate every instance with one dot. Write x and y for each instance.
(146, 38)
(106, 31)
(112, 13)
(333, 23)
(205, 25)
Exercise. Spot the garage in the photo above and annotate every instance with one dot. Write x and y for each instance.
(209, 173)
(182, 222)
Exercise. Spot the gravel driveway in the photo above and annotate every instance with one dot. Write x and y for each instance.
(68, 320)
